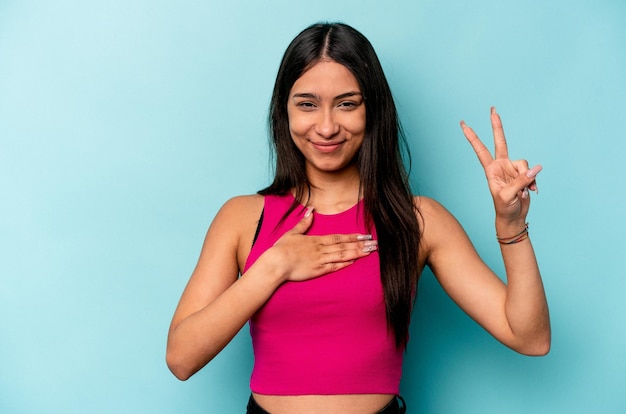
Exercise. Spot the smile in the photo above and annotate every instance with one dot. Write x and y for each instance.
(326, 147)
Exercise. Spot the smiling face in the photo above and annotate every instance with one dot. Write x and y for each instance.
(326, 111)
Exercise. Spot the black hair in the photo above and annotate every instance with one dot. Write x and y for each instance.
(384, 184)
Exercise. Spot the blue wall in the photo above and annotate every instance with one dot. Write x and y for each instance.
(125, 125)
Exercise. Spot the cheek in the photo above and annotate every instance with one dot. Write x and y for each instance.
(355, 124)
(298, 125)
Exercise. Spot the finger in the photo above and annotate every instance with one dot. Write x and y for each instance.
(305, 222)
(523, 182)
(480, 149)
(532, 173)
(521, 166)
(336, 239)
(529, 174)
(333, 267)
(367, 246)
(351, 253)
(501, 149)
(340, 258)
(525, 193)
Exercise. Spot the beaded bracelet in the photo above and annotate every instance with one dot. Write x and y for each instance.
(522, 235)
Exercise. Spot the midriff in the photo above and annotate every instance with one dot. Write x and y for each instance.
(327, 404)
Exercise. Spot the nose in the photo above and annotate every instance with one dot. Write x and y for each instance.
(327, 126)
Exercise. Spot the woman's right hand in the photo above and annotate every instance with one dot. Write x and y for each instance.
(216, 302)
(299, 257)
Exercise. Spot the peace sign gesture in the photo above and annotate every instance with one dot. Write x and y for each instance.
(509, 181)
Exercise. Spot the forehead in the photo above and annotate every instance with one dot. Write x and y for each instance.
(326, 76)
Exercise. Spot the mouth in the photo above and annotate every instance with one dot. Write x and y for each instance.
(326, 147)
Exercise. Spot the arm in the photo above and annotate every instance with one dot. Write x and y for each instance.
(516, 313)
(216, 303)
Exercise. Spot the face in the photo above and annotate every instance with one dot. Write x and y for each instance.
(326, 112)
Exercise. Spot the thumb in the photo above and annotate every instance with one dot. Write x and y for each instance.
(305, 222)
(526, 181)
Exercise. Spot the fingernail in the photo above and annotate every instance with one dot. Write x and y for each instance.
(534, 187)
(308, 212)
(370, 243)
(525, 193)
(364, 237)
(369, 249)
(534, 171)
(493, 109)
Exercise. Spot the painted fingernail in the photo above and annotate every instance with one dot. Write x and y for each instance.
(364, 237)
(493, 109)
(369, 249)
(534, 171)
(525, 193)
(370, 243)
(308, 212)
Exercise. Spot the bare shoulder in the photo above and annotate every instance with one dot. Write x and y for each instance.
(439, 227)
(431, 212)
(235, 225)
(236, 215)
(242, 205)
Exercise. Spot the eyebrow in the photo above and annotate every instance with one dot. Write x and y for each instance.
(310, 95)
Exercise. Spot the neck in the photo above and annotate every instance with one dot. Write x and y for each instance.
(335, 192)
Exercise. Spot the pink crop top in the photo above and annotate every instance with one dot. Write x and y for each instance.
(326, 335)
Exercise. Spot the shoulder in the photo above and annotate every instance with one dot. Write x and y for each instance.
(237, 216)
(437, 224)
(232, 230)
(242, 205)
(430, 210)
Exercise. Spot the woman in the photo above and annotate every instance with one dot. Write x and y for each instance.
(330, 253)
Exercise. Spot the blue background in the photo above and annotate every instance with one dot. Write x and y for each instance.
(124, 126)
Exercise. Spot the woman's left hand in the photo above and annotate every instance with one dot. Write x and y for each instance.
(509, 181)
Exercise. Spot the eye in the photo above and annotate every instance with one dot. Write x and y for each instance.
(348, 105)
(306, 105)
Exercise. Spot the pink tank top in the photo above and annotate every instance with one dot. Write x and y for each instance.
(326, 335)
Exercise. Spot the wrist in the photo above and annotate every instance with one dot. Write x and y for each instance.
(507, 228)
(270, 268)
(513, 238)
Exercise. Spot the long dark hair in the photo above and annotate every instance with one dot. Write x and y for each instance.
(384, 182)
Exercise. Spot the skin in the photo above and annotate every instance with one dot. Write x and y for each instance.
(327, 123)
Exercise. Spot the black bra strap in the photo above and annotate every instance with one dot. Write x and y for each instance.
(258, 227)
